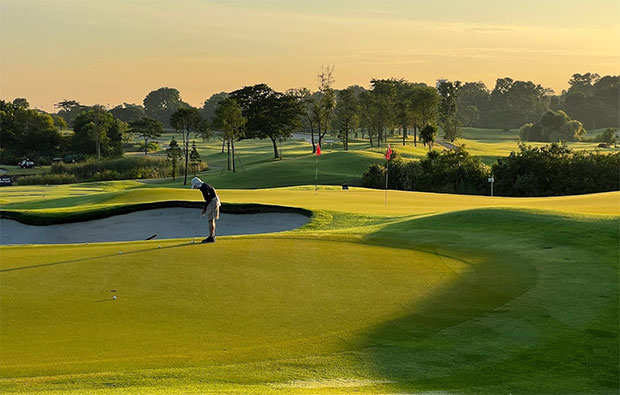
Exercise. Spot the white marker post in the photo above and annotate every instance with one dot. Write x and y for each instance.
(491, 180)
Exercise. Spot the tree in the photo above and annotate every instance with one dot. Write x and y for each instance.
(583, 82)
(553, 126)
(385, 112)
(473, 100)
(208, 108)
(162, 103)
(147, 128)
(269, 114)
(323, 108)
(128, 112)
(174, 153)
(424, 106)
(194, 158)
(97, 131)
(593, 100)
(608, 136)
(347, 114)
(59, 122)
(366, 100)
(229, 118)
(26, 132)
(308, 101)
(187, 121)
(404, 107)
(427, 135)
(21, 102)
(69, 110)
(447, 109)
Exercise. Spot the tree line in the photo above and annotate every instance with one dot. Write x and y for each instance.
(387, 107)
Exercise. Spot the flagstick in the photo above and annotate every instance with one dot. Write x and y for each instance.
(316, 174)
(387, 170)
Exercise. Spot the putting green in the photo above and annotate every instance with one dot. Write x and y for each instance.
(239, 300)
(432, 293)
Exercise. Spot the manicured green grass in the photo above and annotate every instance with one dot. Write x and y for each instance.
(432, 293)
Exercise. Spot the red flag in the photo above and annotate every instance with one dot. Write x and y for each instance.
(318, 150)
(388, 154)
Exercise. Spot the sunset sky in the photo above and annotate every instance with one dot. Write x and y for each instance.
(114, 51)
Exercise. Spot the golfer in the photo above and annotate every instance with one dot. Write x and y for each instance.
(211, 207)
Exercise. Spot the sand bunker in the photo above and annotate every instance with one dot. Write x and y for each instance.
(167, 223)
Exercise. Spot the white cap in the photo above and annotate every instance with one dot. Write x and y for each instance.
(196, 183)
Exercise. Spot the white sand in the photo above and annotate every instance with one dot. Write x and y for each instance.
(167, 223)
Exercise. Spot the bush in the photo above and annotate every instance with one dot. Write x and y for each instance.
(45, 179)
(555, 170)
(452, 171)
(131, 167)
(139, 167)
(106, 175)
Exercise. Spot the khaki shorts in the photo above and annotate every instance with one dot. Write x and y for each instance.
(213, 209)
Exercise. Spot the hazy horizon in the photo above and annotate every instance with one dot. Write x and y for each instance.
(118, 51)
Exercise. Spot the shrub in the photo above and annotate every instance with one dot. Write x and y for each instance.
(106, 175)
(452, 171)
(555, 170)
(44, 179)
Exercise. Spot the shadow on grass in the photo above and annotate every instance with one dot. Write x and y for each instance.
(92, 258)
(475, 335)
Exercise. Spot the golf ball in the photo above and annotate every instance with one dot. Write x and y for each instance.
(120, 252)
(114, 297)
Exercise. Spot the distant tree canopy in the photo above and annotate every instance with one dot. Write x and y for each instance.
(97, 131)
(553, 126)
(590, 99)
(510, 104)
(26, 132)
(162, 103)
(127, 112)
(593, 100)
(208, 108)
(69, 110)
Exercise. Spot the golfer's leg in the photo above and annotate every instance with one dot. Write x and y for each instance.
(212, 228)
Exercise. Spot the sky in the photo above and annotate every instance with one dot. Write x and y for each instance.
(114, 51)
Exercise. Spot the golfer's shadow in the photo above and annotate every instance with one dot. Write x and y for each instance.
(13, 269)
